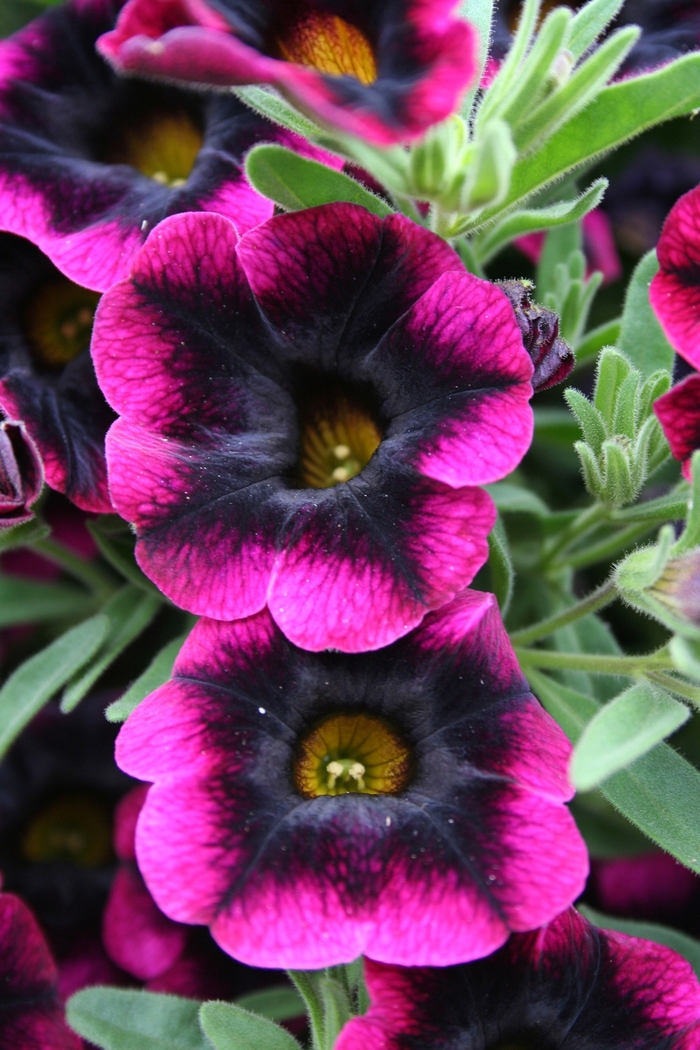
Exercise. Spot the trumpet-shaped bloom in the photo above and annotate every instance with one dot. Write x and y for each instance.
(384, 70)
(90, 162)
(310, 807)
(678, 412)
(31, 1013)
(675, 290)
(305, 414)
(568, 986)
(46, 375)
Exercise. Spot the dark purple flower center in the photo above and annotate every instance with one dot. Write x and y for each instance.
(327, 43)
(58, 321)
(352, 753)
(338, 433)
(74, 829)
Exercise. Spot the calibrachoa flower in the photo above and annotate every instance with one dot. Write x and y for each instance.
(30, 1009)
(21, 474)
(678, 412)
(46, 375)
(675, 290)
(304, 416)
(90, 162)
(384, 70)
(405, 803)
(568, 986)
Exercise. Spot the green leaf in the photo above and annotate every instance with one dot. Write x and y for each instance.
(520, 223)
(641, 335)
(659, 793)
(622, 731)
(686, 946)
(230, 1028)
(589, 23)
(590, 420)
(156, 674)
(273, 107)
(593, 342)
(30, 601)
(513, 499)
(23, 535)
(294, 182)
(535, 72)
(480, 14)
(116, 543)
(617, 114)
(34, 683)
(489, 173)
(501, 566)
(122, 1019)
(559, 245)
(512, 63)
(581, 88)
(128, 613)
(280, 1003)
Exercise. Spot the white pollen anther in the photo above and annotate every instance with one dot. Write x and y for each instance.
(341, 451)
(340, 474)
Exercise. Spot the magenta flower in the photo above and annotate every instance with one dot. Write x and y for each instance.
(678, 412)
(304, 416)
(32, 1013)
(90, 162)
(46, 375)
(21, 474)
(598, 245)
(405, 803)
(568, 986)
(675, 290)
(384, 70)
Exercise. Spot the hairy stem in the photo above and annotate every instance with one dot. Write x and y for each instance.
(597, 599)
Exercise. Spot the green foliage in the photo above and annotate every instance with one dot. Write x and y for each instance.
(679, 942)
(31, 601)
(116, 543)
(23, 535)
(128, 613)
(622, 731)
(228, 1027)
(659, 793)
(269, 104)
(156, 674)
(590, 22)
(34, 683)
(501, 566)
(641, 335)
(294, 182)
(621, 111)
(280, 1003)
(124, 1019)
(623, 442)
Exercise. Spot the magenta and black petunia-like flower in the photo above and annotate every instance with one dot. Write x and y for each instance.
(569, 986)
(678, 412)
(407, 803)
(31, 1012)
(46, 375)
(384, 70)
(305, 416)
(90, 162)
(675, 290)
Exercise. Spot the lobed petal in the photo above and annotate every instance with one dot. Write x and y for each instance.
(675, 290)
(678, 411)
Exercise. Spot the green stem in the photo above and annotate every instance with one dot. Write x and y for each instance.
(307, 990)
(597, 599)
(585, 522)
(676, 685)
(552, 660)
(101, 584)
(606, 549)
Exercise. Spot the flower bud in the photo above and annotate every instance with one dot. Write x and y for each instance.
(21, 474)
(552, 357)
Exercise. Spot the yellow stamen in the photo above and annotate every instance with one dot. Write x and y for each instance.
(58, 320)
(165, 147)
(338, 439)
(352, 753)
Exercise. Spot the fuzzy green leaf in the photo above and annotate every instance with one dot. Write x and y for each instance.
(501, 566)
(32, 601)
(622, 731)
(230, 1028)
(590, 22)
(34, 683)
(589, 418)
(659, 793)
(280, 1003)
(156, 674)
(23, 535)
(275, 108)
(124, 1019)
(641, 335)
(295, 182)
(128, 613)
